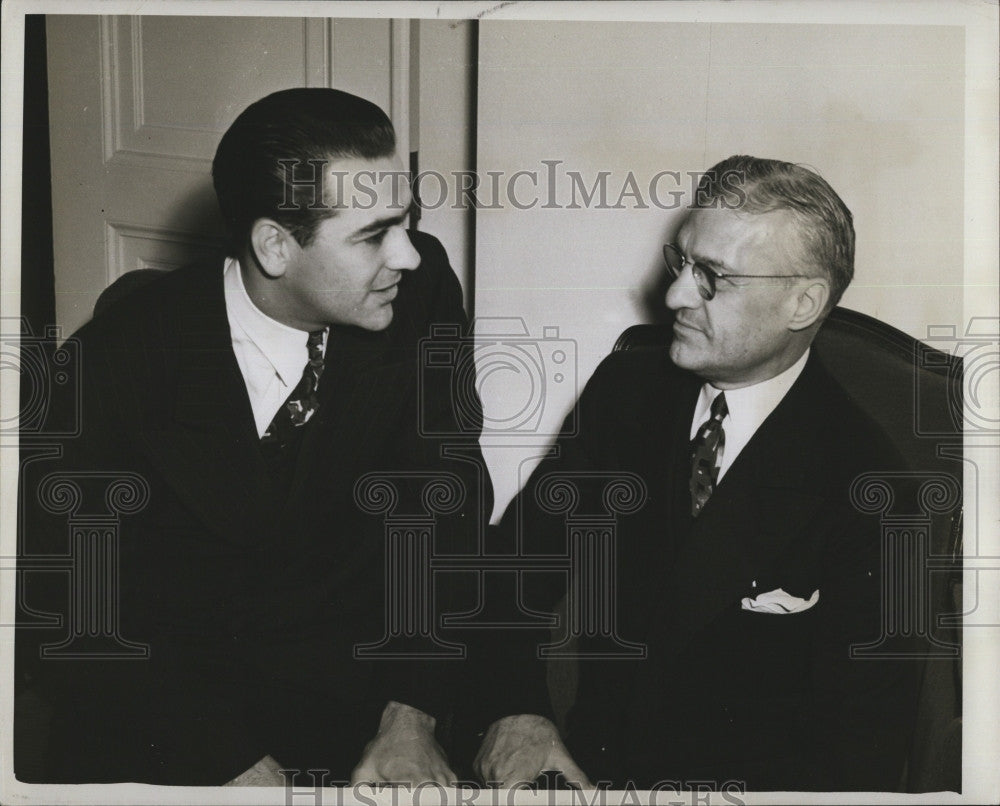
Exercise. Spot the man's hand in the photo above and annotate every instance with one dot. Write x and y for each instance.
(517, 748)
(265, 772)
(403, 751)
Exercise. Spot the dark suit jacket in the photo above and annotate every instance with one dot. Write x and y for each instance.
(251, 602)
(724, 694)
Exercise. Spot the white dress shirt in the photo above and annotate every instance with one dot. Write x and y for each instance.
(270, 355)
(748, 408)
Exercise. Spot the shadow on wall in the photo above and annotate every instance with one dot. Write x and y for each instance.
(652, 295)
(198, 214)
(652, 292)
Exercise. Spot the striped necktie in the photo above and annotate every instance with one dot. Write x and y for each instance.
(706, 452)
(302, 403)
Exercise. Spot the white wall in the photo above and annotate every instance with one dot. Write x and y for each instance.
(446, 121)
(877, 110)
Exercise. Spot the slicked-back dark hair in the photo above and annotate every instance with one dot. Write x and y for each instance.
(300, 125)
(756, 186)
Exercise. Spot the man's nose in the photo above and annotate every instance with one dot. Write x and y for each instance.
(400, 254)
(683, 291)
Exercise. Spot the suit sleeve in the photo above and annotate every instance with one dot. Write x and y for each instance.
(445, 425)
(527, 529)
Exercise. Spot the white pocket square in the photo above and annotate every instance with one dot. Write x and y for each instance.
(777, 601)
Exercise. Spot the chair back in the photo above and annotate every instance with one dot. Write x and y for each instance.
(913, 391)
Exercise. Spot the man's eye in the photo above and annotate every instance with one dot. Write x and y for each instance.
(377, 238)
(714, 274)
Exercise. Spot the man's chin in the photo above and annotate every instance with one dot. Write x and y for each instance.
(378, 320)
(682, 355)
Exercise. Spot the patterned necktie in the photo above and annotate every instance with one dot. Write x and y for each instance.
(706, 451)
(302, 402)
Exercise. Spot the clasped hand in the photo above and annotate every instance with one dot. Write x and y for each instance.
(517, 749)
(403, 751)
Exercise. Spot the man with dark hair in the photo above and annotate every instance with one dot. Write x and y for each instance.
(747, 575)
(243, 400)
(257, 165)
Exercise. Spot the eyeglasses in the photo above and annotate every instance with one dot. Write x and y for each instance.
(705, 278)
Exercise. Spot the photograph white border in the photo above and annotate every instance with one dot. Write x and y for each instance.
(981, 739)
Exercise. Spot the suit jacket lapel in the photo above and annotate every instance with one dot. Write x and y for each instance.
(762, 503)
(360, 392)
(678, 454)
(651, 538)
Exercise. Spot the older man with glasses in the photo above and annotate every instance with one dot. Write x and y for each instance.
(747, 575)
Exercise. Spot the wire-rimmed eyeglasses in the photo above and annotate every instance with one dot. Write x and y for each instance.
(705, 278)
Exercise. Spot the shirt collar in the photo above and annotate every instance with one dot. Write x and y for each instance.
(284, 347)
(749, 406)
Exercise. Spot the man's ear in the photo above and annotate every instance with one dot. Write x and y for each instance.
(272, 245)
(811, 302)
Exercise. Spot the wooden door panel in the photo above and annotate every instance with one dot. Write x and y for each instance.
(174, 84)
